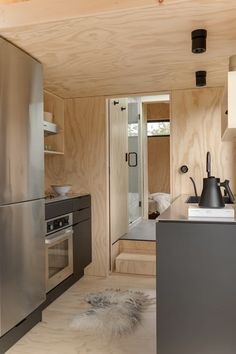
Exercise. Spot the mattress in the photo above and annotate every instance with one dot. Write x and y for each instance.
(158, 202)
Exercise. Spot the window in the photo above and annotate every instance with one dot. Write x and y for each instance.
(133, 129)
(158, 128)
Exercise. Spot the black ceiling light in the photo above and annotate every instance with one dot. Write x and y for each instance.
(199, 41)
(200, 78)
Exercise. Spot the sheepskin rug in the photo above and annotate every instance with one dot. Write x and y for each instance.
(112, 312)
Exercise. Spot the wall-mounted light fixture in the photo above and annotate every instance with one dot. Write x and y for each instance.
(199, 41)
(200, 78)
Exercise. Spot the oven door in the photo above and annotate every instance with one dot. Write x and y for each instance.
(59, 257)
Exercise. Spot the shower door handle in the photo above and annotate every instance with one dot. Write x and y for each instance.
(130, 154)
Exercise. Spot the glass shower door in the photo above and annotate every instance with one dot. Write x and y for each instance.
(134, 161)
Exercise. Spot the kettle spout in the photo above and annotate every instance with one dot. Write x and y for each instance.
(194, 186)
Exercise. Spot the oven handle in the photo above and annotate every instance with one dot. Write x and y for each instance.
(58, 236)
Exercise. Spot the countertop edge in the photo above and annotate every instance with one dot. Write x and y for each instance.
(178, 212)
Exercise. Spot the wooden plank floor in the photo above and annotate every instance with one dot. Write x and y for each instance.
(53, 335)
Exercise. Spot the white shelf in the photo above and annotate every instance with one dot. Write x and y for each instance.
(50, 128)
(228, 109)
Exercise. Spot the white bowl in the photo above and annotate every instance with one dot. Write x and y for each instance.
(61, 189)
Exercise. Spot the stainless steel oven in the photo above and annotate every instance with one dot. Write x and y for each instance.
(59, 250)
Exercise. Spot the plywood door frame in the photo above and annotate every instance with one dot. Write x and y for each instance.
(118, 120)
(114, 249)
(140, 94)
(143, 120)
(171, 147)
(145, 160)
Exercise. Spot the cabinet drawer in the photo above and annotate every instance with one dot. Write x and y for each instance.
(58, 208)
(81, 202)
(81, 215)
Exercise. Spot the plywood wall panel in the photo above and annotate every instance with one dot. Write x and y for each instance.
(158, 151)
(84, 165)
(157, 111)
(196, 129)
(159, 164)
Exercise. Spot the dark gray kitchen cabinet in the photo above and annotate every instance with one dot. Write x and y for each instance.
(196, 287)
(82, 247)
(82, 238)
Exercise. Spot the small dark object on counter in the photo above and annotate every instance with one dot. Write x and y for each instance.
(211, 196)
(153, 215)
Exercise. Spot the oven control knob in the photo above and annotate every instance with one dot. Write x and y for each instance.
(60, 223)
(49, 227)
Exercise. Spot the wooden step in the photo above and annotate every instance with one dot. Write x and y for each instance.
(132, 263)
(143, 247)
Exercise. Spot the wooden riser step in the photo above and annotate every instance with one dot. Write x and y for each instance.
(132, 263)
(143, 247)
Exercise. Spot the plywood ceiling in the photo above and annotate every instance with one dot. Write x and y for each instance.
(131, 51)
(11, 1)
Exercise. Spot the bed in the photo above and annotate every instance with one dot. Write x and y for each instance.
(157, 203)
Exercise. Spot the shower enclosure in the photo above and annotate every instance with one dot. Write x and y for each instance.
(134, 160)
(125, 164)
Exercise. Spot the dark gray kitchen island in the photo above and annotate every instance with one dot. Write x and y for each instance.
(196, 283)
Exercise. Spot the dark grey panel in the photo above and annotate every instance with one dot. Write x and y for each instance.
(53, 210)
(81, 215)
(82, 244)
(82, 202)
(58, 290)
(21, 126)
(196, 288)
(11, 337)
(66, 206)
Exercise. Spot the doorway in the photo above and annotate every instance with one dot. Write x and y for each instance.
(133, 186)
(125, 165)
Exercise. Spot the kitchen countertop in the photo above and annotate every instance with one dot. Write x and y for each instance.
(65, 197)
(178, 211)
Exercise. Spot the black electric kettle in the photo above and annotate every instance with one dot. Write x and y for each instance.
(211, 196)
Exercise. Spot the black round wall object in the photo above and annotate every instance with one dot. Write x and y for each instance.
(199, 41)
(200, 78)
(184, 169)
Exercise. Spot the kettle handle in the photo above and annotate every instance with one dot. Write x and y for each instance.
(208, 164)
(225, 184)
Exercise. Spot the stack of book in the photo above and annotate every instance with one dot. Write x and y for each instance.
(196, 211)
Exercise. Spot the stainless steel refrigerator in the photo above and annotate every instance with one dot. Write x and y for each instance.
(22, 254)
